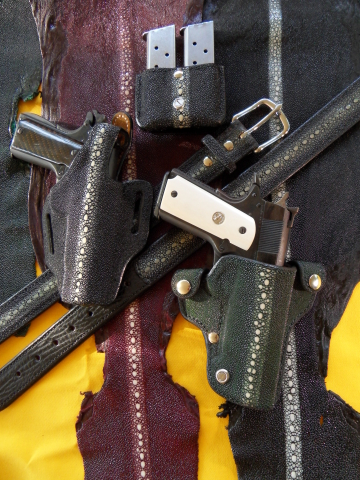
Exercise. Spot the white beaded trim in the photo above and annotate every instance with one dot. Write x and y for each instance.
(127, 93)
(135, 383)
(134, 377)
(181, 115)
(275, 70)
(149, 266)
(24, 303)
(88, 201)
(275, 75)
(291, 403)
(292, 415)
(261, 327)
(304, 141)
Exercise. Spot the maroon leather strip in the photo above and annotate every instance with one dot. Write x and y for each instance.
(193, 12)
(140, 425)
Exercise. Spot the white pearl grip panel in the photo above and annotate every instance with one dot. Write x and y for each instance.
(196, 206)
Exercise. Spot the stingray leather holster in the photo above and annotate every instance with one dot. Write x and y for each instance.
(245, 310)
(93, 225)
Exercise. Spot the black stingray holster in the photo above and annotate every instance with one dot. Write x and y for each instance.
(94, 225)
(246, 310)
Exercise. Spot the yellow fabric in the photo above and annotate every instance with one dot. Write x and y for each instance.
(186, 362)
(344, 359)
(37, 434)
(33, 106)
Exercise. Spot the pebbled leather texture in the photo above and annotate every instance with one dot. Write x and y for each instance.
(49, 349)
(93, 69)
(316, 46)
(27, 304)
(201, 88)
(137, 279)
(320, 56)
(90, 227)
(221, 159)
(170, 249)
(195, 167)
(251, 307)
(20, 76)
(312, 76)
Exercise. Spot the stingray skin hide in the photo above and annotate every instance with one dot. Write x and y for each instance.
(20, 76)
(92, 51)
(302, 54)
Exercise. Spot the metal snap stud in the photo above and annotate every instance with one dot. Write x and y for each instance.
(183, 287)
(213, 337)
(229, 145)
(178, 103)
(178, 74)
(315, 281)
(207, 162)
(222, 376)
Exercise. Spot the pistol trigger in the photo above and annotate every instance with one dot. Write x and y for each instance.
(293, 212)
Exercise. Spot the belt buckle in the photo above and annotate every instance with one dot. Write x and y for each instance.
(275, 109)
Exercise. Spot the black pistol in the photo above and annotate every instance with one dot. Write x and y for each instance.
(41, 142)
(247, 226)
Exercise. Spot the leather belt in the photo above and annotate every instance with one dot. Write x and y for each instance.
(79, 323)
(27, 304)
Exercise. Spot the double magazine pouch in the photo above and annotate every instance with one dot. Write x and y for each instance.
(185, 97)
(93, 225)
(245, 310)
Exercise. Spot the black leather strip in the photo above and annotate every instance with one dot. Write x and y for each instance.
(20, 77)
(294, 152)
(225, 157)
(32, 298)
(206, 173)
(29, 302)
